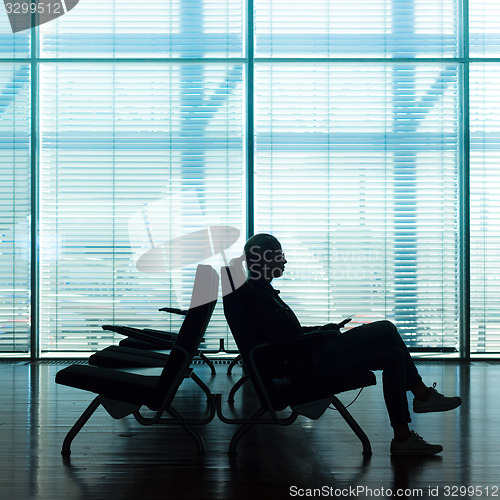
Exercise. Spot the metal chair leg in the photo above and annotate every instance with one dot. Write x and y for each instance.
(242, 430)
(209, 363)
(233, 363)
(367, 449)
(200, 445)
(235, 388)
(202, 386)
(66, 447)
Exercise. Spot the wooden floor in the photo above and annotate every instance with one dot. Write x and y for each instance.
(119, 459)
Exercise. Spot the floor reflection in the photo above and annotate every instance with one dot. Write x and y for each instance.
(120, 459)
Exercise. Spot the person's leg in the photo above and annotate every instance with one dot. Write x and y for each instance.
(357, 346)
(388, 332)
(391, 360)
(370, 347)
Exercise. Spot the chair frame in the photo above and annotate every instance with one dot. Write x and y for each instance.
(143, 359)
(119, 409)
(267, 407)
(175, 371)
(153, 337)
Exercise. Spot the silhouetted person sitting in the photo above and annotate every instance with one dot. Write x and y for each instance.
(375, 346)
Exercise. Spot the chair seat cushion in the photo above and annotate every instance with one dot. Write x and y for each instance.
(312, 389)
(114, 384)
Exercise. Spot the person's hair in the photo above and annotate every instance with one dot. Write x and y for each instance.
(255, 249)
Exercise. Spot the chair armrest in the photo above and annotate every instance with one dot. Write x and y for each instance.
(122, 328)
(158, 338)
(299, 340)
(356, 379)
(289, 345)
(174, 310)
(160, 333)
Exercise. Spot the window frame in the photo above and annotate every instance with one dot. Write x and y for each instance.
(249, 60)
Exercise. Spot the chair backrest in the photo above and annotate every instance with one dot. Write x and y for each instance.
(203, 300)
(246, 337)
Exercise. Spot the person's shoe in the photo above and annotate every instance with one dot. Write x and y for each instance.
(414, 445)
(435, 402)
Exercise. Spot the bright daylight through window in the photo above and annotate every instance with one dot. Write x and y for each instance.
(363, 134)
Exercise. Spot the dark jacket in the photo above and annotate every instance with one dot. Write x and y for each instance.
(273, 320)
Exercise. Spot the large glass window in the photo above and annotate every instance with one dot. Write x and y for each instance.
(158, 28)
(363, 118)
(15, 247)
(132, 157)
(357, 28)
(356, 171)
(485, 207)
(13, 45)
(484, 176)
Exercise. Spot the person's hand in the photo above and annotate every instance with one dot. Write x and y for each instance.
(329, 326)
(344, 322)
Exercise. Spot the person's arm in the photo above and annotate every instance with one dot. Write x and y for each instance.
(309, 329)
(327, 327)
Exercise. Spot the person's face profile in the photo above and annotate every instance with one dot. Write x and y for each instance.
(267, 261)
(279, 263)
(274, 262)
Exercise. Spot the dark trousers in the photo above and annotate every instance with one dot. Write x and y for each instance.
(375, 346)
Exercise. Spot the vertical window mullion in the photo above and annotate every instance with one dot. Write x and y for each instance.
(34, 275)
(464, 190)
(250, 154)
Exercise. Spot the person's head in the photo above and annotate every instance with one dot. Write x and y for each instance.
(264, 256)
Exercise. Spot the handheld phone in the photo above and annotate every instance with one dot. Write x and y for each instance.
(346, 320)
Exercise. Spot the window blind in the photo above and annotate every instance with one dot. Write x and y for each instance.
(485, 207)
(356, 173)
(358, 28)
(15, 207)
(131, 155)
(157, 28)
(12, 44)
(356, 162)
(484, 28)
